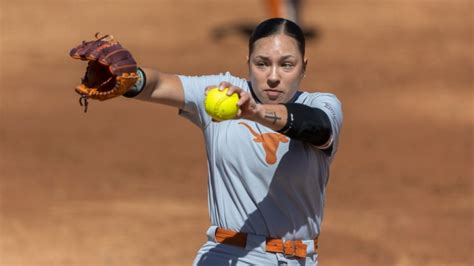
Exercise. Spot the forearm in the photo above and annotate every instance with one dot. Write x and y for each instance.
(161, 88)
(273, 116)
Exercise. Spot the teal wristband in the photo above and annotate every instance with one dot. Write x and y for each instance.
(138, 86)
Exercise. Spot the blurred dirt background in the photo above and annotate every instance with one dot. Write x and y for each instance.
(125, 184)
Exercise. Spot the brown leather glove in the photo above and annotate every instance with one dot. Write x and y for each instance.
(111, 69)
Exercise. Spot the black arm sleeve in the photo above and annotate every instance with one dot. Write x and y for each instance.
(307, 124)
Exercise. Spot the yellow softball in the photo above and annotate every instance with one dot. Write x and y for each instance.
(219, 105)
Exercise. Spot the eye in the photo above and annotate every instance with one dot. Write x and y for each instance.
(261, 64)
(287, 65)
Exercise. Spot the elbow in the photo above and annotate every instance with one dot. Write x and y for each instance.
(323, 138)
(320, 133)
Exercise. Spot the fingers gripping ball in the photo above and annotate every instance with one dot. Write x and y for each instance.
(220, 106)
(111, 69)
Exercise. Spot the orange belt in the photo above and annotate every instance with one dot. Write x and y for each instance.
(287, 247)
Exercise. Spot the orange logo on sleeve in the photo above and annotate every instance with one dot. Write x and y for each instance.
(270, 142)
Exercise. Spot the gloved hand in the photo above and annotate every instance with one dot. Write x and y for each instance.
(111, 69)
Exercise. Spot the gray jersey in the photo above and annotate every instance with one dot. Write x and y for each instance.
(262, 182)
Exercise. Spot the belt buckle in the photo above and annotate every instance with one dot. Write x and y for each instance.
(293, 247)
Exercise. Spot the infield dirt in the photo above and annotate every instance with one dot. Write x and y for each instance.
(125, 184)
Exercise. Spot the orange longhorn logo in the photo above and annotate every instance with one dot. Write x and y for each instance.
(270, 142)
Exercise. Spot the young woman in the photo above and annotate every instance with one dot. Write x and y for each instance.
(268, 167)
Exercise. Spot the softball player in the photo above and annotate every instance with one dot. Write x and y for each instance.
(268, 169)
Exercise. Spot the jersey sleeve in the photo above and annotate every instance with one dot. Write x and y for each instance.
(332, 107)
(194, 88)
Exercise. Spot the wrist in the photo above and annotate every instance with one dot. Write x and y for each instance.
(259, 113)
(261, 110)
(138, 87)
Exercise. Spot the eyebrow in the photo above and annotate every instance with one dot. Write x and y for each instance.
(268, 58)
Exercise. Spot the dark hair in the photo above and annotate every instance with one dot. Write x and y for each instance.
(275, 26)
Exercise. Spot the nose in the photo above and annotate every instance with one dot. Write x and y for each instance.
(273, 79)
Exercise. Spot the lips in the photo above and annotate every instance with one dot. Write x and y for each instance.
(272, 94)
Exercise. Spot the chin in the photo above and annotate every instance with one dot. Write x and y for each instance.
(282, 98)
(271, 101)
